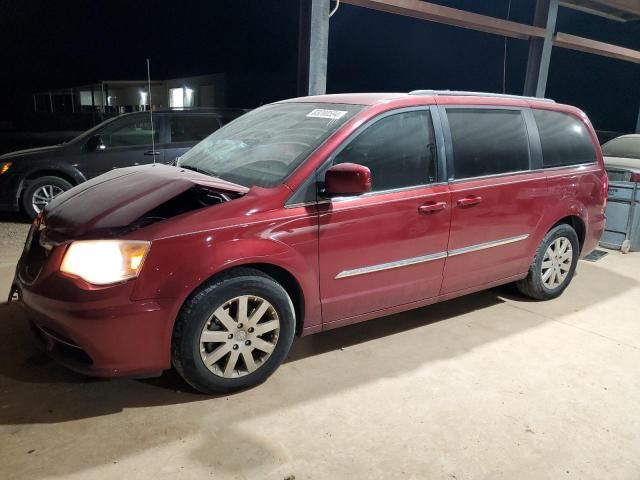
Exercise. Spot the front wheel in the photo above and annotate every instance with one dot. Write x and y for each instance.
(41, 191)
(554, 264)
(234, 333)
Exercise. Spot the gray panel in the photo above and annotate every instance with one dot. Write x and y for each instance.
(617, 216)
(621, 191)
(612, 239)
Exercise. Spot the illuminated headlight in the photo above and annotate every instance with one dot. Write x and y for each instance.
(4, 166)
(103, 262)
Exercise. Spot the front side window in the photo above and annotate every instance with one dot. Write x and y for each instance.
(265, 146)
(565, 139)
(129, 131)
(487, 142)
(398, 149)
(192, 128)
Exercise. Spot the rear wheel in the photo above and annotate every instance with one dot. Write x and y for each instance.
(41, 191)
(234, 333)
(554, 264)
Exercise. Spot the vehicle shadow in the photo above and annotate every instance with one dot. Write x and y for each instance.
(34, 390)
(29, 376)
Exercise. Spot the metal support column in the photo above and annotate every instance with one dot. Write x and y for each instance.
(535, 83)
(313, 47)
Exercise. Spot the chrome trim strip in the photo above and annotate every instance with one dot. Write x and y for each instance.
(390, 265)
(482, 246)
(428, 258)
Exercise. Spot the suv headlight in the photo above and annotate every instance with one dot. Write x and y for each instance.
(102, 262)
(4, 166)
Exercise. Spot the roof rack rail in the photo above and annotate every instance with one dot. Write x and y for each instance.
(455, 93)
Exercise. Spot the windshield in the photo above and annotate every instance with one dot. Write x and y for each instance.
(265, 146)
(626, 147)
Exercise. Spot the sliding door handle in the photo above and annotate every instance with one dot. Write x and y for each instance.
(469, 201)
(152, 153)
(432, 207)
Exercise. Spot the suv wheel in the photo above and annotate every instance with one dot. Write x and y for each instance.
(554, 264)
(40, 192)
(233, 333)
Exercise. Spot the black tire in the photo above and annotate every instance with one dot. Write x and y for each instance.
(198, 311)
(37, 184)
(533, 285)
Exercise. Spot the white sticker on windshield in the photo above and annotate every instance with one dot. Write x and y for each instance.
(330, 114)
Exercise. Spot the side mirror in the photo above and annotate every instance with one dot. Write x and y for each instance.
(347, 179)
(95, 143)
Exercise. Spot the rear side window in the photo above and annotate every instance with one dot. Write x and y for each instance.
(565, 139)
(487, 141)
(398, 149)
(192, 128)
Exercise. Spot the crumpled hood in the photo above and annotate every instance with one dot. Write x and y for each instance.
(118, 198)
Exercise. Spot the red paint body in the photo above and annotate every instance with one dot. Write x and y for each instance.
(126, 329)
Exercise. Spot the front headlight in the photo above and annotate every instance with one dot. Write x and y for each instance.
(4, 166)
(102, 262)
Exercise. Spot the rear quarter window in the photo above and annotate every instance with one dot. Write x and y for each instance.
(565, 139)
(192, 128)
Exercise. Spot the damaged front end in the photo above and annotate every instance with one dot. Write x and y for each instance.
(130, 198)
(112, 206)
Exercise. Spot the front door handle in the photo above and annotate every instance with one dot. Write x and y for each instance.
(152, 153)
(432, 207)
(469, 201)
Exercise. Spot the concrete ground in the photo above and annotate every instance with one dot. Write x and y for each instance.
(489, 386)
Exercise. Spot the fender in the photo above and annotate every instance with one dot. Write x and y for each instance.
(66, 170)
(566, 207)
(185, 273)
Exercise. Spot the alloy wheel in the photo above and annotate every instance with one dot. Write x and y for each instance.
(43, 195)
(239, 336)
(556, 263)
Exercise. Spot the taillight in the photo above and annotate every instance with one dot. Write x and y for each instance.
(635, 177)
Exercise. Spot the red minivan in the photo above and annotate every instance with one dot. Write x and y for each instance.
(306, 215)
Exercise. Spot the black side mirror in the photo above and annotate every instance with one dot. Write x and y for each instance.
(95, 143)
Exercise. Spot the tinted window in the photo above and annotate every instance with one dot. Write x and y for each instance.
(487, 141)
(626, 147)
(565, 139)
(129, 131)
(192, 128)
(398, 149)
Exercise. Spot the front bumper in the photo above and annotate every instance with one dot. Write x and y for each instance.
(103, 336)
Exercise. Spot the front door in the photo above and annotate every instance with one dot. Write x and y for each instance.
(387, 247)
(496, 200)
(125, 142)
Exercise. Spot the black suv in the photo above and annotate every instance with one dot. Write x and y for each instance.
(29, 179)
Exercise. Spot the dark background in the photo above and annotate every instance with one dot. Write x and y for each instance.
(47, 45)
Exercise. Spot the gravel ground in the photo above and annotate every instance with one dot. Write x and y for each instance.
(12, 236)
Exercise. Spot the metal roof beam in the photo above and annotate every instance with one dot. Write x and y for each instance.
(587, 45)
(452, 16)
